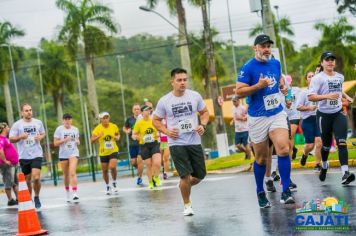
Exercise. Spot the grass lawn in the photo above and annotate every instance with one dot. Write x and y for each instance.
(238, 159)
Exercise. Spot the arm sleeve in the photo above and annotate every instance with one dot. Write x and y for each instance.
(201, 103)
(57, 134)
(14, 131)
(244, 75)
(136, 128)
(127, 125)
(96, 131)
(301, 99)
(160, 110)
(314, 87)
(41, 128)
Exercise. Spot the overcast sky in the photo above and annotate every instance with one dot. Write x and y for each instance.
(41, 18)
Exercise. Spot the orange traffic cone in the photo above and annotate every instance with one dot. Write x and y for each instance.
(27, 217)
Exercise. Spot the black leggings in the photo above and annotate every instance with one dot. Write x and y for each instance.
(329, 124)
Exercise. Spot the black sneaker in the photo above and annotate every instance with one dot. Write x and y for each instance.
(286, 197)
(263, 201)
(347, 178)
(317, 167)
(294, 154)
(303, 160)
(322, 174)
(292, 186)
(12, 202)
(275, 176)
(37, 203)
(270, 186)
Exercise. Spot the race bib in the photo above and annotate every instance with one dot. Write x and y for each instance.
(29, 142)
(69, 146)
(333, 103)
(185, 126)
(271, 101)
(148, 138)
(108, 145)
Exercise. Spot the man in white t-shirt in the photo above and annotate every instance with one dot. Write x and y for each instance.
(27, 133)
(180, 107)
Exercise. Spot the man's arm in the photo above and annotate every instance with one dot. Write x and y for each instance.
(204, 119)
(244, 90)
(317, 98)
(2, 157)
(157, 123)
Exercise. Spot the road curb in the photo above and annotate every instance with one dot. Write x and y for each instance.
(311, 164)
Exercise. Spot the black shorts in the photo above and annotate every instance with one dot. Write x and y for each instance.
(294, 122)
(28, 165)
(148, 149)
(189, 160)
(66, 159)
(106, 159)
(134, 151)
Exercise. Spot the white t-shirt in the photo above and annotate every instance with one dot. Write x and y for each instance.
(70, 148)
(240, 126)
(303, 101)
(181, 113)
(324, 84)
(28, 148)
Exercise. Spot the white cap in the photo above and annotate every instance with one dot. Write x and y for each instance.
(102, 114)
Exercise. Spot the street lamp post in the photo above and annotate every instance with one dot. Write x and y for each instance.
(281, 40)
(14, 78)
(231, 38)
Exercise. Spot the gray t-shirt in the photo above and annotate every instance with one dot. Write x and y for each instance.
(181, 113)
(303, 101)
(70, 148)
(324, 84)
(292, 112)
(28, 148)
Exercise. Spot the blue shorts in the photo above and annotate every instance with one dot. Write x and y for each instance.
(134, 151)
(310, 129)
(241, 138)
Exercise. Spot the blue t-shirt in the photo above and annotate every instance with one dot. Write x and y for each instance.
(266, 101)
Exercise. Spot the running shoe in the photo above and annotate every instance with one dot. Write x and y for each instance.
(263, 201)
(157, 181)
(37, 203)
(108, 190)
(275, 176)
(68, 196)
(303, 160)
(347, 178)
(114, 189)
(165, 176)
(139, 181)
(270, 186)
(294, 154)
(322, 174)
(292, 186)
(188, 210)
(75, 197)
(286, 197)
(317, 168)
(151, 185)
(12, 202)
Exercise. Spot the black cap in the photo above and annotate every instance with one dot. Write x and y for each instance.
(327, 55)
(145, 108)
(67, 116)
(262, 38)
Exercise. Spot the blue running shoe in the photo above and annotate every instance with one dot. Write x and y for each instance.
(37, 203)
(263, 201)
(139, 181)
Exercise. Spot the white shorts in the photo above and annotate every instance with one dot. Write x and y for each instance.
(259, 127)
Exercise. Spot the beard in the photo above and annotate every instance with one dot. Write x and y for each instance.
(264, 57)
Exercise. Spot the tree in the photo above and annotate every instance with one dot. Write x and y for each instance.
(7, 32)
(57, 73)
(343, 5)
(84, 24)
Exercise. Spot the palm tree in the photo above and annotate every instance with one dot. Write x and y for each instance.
(84, 24)
(57, 73)
(7, 32)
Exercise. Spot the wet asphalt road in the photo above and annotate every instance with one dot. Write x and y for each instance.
(223, 205)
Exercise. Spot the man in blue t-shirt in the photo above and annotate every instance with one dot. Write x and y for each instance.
(260, 79)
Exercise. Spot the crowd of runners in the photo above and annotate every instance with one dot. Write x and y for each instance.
(267, 111)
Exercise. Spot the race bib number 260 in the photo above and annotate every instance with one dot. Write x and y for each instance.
(271, 101)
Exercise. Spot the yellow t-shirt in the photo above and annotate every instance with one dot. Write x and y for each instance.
(107, 142)
(146, 130)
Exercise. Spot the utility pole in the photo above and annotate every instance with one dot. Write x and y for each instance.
(267, 20)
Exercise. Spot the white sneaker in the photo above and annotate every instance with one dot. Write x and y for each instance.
(114, 189)
(68, 196)
(75, 197)
(188, 210)
(108, 190)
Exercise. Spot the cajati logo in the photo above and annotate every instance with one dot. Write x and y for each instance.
(327, 214)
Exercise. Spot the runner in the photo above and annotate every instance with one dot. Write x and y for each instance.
(149, 146)
(8, 164)
(326, 88)
(180, 107)
(134, 148)
(107, 134)
(27, 133)
(260, 79)
(164, 151)
(309, 126)
(66, 137)
(239, 112)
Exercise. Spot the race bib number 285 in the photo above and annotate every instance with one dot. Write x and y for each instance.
(271, 101)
